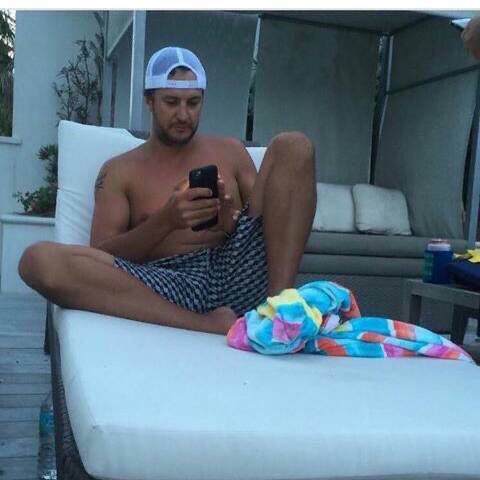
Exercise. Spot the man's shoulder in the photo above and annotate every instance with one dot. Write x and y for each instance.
(121, 168)
(124, 161)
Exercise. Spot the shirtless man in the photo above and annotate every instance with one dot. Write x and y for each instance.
(145, 262)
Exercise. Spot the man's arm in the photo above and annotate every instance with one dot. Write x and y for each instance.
(112, 216)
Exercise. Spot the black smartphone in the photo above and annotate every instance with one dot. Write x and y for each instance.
(205, 177)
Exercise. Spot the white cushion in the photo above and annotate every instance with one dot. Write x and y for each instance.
(335, 211)
(380, 210)
(156, 403)
(150, 402)
(82, 150)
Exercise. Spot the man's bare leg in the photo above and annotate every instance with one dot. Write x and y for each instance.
(84, 278)
(285, 194)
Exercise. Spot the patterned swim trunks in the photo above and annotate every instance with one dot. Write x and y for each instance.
(232, 275)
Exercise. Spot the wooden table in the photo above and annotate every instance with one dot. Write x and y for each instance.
(466, 303)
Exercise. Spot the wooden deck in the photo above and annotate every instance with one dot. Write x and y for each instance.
(24, 383)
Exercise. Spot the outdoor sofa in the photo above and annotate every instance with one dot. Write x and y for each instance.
(375, 267)
(139, 401)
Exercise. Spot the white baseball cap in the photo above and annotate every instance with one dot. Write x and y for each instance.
(161, 63)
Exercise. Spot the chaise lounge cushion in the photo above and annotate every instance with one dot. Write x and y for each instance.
(156, 403)
(149, 402)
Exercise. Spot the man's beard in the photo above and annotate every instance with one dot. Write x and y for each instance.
(164, 137)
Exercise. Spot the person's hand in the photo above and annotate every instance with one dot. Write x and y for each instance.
(227, 214)
(471, 37)
(188, 207)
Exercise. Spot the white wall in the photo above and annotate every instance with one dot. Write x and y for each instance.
(44, 44)
(8, 153)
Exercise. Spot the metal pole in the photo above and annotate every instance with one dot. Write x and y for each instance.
(391, 40)
(138, 66)
(107, 92)
(107, 78)
(380, 106)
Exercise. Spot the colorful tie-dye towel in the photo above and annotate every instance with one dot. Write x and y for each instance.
(323, 317)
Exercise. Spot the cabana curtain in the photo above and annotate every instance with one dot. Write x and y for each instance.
(320, 81)
(422, 148)
(422, 152)
(430, 48)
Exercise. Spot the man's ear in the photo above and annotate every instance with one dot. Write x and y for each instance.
(148, 101)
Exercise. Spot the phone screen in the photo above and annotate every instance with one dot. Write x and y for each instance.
(205, 177)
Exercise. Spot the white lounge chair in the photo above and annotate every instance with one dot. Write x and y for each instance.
(148, 402)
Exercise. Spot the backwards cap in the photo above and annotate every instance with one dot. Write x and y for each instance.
(161, 63)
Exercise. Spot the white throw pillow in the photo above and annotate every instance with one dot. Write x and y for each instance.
(335, 210)
(380, 210)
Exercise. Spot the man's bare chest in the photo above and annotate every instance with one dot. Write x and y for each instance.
(150, 189)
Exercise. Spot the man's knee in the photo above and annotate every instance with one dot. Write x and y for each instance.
(295, 151)
(295, 141)
(38, 264)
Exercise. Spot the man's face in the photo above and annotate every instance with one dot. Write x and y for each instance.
(176, 111)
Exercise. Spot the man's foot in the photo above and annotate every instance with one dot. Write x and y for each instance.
(221, 319)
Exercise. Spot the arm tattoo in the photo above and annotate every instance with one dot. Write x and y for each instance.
(100, 180)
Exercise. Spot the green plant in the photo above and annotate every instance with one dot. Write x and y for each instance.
(80, 87)
(43, 200)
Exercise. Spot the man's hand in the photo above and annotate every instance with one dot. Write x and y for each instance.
(227, 214)
(471, 37)
(188, 207)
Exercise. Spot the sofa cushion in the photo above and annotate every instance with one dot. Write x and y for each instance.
(361, 265)
(334, 212)
(372, 245)
(158, 403)
(380, 210)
